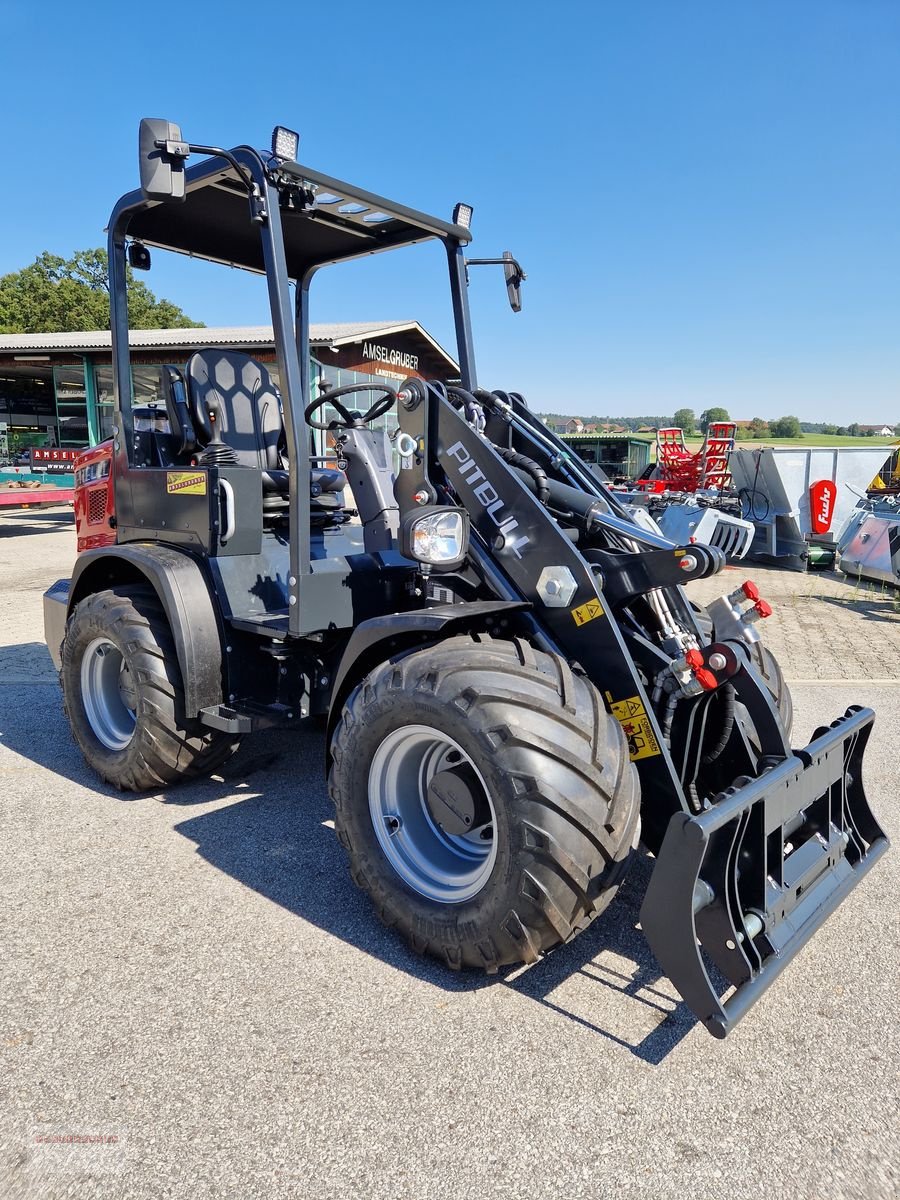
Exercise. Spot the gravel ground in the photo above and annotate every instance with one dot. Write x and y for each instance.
(194, 979)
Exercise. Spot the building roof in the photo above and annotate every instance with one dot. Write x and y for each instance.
(225, 335)
(601, 436)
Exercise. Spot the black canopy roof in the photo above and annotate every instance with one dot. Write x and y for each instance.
(214, 221)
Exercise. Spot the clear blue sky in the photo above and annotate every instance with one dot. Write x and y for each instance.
(705, 194)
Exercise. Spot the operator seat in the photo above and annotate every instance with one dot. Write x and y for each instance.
(249, 418)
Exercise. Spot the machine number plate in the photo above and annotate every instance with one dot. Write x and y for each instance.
(187, 483)
(632, 716)
(587, 612)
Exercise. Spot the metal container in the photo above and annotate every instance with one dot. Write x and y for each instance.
(870, 543)
(773, 483)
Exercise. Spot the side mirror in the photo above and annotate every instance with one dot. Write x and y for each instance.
(162, 154)
(138, 257)
(514, 276)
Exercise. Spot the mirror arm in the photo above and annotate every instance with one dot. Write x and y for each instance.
(184, 149)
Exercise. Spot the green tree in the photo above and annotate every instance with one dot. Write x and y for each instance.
(853, 430)
(785, 427)
(711, 416)
(55, 295)
(684, 419)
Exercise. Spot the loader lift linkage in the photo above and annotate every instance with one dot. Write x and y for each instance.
(517, 688)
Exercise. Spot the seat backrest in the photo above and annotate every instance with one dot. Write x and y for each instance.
(250, 410)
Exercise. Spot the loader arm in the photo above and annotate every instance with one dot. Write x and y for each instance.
(756, 843)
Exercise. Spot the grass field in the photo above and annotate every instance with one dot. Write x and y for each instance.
(808, 440)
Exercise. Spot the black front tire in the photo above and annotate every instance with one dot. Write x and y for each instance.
(555, 765)
(769, 669)
(164, 746)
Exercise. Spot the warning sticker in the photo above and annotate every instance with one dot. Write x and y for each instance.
(189, 483)
(632, 716)
(587, 612)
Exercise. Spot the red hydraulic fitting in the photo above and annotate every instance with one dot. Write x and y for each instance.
(694, 659)
(706, 679)
(760, 610)
(747, 591)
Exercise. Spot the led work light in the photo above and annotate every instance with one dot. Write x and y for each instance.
(285, 143)
(437, 537)
(462, 215)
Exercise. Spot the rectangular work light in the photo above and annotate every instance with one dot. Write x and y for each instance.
(285, 143)
(462, 215)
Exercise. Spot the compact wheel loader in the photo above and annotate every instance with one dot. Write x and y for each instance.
(516, 688)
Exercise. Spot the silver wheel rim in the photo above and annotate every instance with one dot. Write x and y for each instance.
(448, 868)
(108, 694)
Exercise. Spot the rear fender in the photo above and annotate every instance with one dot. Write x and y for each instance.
(185, 595)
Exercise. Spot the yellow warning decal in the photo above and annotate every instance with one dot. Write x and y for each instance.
(587, 612)
(188, 483)
(632, 716)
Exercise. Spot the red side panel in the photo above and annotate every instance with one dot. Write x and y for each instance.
(822, 495)
(95, 498)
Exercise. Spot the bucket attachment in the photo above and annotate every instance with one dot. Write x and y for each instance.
(750, 880)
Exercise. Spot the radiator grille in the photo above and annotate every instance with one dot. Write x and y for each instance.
(97, 505)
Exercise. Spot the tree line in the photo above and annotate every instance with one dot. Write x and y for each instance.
(59, 295)
(758, 428)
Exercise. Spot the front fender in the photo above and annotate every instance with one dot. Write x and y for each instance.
(374, 641)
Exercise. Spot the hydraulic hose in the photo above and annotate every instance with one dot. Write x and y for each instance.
(530, 467)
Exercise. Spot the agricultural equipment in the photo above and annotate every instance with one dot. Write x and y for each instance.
(869, 543)
(707, 470)
(795, 495)
(516, 687)
(691, 521)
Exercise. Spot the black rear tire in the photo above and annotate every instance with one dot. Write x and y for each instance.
(129, 623)
(555, 766)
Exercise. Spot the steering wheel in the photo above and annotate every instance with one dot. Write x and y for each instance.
(350, 420)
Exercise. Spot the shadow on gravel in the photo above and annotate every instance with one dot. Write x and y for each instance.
(35, 521)
(275, 837)
(279, 842)
(884, 609)
(33, 726)
(29, 660)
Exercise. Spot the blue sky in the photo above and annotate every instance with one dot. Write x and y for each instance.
(705, 195)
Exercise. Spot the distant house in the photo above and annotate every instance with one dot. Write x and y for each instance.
(646, 429)
(878, 430)
(574, 425)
